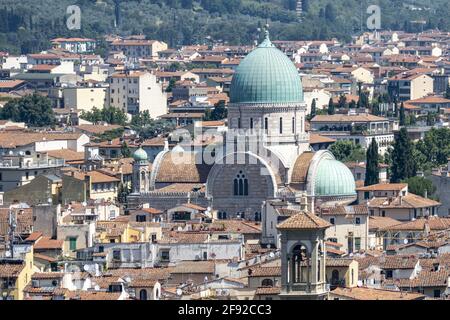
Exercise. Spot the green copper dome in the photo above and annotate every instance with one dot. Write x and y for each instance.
(266, 75)
(333, 178)
(140, 155)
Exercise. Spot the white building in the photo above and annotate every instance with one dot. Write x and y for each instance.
(137, 92)
(359, 128)
(85, 98)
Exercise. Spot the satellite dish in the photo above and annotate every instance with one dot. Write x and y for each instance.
(179, 292)
(272, 255)
(405, 241)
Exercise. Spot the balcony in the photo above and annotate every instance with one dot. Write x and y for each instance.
(17, 164)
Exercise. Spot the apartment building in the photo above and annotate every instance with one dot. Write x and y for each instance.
(137, 92)
(408, 86)
(359, 128)
(75, 45)
(136, 49)
(85, 98)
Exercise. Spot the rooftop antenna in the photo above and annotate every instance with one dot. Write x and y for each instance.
(11, 230)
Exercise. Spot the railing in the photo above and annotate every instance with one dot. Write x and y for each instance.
(38, 164)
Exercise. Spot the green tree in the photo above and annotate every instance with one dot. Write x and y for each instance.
(434, 149)
(345, 151)
(430, 119)
(342, 101)
(331, 109)
(125, 150)
(352, 104)
(171, 85)
(313, 110)
(421, 186)
(376, 108)
(109, 115)
(34, 110)
(404, 163)
(402, 116)
(372, 169)
(330, 12)
(447, 92)
(219, 112)
(147, 128)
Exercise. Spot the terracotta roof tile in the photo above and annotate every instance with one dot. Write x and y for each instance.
(194, 267)
(92, 295)
(408, 201)
(48, 243)
(301, 166)
(377, 223)
(264, 272)
(363, 293)
(434, 223)
(303, 220)
(11, 270)
(268, 291)
(184, 170)
(400, 262)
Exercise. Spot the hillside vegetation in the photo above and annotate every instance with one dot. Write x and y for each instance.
(29, 24)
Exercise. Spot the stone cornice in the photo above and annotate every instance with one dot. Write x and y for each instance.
(275, 107)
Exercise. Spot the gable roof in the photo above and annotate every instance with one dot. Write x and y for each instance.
(303, 220)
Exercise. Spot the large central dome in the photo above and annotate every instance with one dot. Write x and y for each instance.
(266, 75)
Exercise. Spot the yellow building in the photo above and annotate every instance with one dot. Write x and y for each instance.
(121, 232)
(342, 272)
(15, 273)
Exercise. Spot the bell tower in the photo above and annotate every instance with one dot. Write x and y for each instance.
(141, 172)
(303, 257)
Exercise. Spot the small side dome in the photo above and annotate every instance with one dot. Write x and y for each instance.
(140, 155)
(333, 179)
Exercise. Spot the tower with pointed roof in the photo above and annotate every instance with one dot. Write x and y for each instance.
(303, 257)
(141, 172)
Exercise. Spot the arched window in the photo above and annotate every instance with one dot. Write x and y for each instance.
(266, 125)
(240, 185)
(143, 294)
(293, 125)
(257, 216)
(300, 260)
(251, 123)
(267, 283)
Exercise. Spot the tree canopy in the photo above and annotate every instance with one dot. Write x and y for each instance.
(372, 169)
(109, 115)
(404, 163)
(347, 151)
(27, 26)
(34, 110)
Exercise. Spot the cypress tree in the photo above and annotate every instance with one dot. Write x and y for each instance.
(403, 164)
(313, 108)
(331, 109)
(402, 117)
(372, 170)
